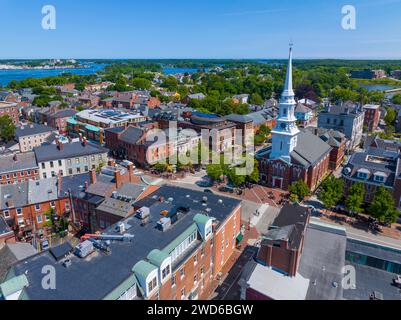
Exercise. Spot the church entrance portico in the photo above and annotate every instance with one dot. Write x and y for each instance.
(277, 182)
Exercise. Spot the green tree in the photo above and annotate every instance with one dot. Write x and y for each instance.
(141, 83)
(390, 116)
(396, 99)
(355, 197)
(383, 206)
(214, 171)
(256, 99)
(236, 179)
(332, 191)
(299, 190)
(7, 128)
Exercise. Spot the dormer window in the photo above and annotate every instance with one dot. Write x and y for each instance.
(363, 174)
(379, 177)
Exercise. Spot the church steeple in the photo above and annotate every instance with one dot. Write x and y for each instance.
(285, 133)
(288, 91)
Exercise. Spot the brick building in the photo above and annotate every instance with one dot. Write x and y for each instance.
(25, 205)
(175, 254)
(372, 116)
(10, 109)
(15, 168)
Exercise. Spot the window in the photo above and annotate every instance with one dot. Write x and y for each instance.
(37, 207)
(19, 212)
(173, 280)
(130, 294)
(195, 259)
(328, 121)
(43, 165)
(379, 178)
(70, 171)
(59, 163)
(21, 221)
(77, 160)
(362, 175)
(69, 162)
(202, 251)
(152, 284)
(85, 159)
(183, 293)
(86, 168)
(44, 175)
(6, 213)
(202, 270)
(182, 272)
(165, 272)
(39, 219)
(51, 164)
(53, 204)
(78, 170)
(195, 279)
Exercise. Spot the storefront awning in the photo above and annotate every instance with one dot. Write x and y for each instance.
(240, 237)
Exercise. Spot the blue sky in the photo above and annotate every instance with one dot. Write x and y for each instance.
(200, 29)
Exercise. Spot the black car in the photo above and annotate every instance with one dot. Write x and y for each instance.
(208, 191)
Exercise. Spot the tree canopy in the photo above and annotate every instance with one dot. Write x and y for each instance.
(332, 191)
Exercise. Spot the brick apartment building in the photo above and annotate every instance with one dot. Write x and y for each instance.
(25, 205)
(336, 140)
(372, 116)
(15, 168)
(10, 109)
(179, 247)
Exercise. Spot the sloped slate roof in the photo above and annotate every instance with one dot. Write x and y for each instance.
(309, 149)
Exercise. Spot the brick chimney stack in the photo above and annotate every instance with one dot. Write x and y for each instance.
(111, 163)
(15, 157)
(118, 178)
(93, 176)
(59, 181)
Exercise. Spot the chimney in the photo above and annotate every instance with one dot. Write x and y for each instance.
(93, 176)
(111, 163)
(131, 172)
(59, 181)
(117, 177)
(60, 146)
(86, 185)
(15, 158)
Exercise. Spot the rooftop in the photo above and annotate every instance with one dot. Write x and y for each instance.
(19, 162)
(69, 150)
(107, 117)
(31, 129)
(97, 275)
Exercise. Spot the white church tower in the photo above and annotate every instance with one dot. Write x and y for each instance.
(284, 135)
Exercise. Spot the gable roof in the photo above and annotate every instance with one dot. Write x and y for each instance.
(309, 149)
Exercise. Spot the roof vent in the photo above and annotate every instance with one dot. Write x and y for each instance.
(220, 201)
(204, 199)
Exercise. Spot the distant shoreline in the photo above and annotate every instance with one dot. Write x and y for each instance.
(14, 67)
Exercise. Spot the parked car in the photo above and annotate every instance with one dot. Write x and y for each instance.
(208, 191)
(45, 245)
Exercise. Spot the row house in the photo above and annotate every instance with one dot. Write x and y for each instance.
(26, 205)
(32, 135)
(16, 168)
(69, 158)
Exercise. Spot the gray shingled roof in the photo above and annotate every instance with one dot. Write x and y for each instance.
(131, 135)
(25, 161)
(69, 150)
(97, 276)
(309, 149)
(32, 129)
